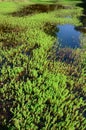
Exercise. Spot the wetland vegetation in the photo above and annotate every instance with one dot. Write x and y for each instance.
(42, 65)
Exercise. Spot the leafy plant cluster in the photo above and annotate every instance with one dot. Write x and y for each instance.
(37, 92)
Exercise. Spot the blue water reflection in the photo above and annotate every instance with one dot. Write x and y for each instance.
(68, 36)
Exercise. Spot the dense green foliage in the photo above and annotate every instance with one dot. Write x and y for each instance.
(39, 91)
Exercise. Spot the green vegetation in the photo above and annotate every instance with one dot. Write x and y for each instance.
(39, 90)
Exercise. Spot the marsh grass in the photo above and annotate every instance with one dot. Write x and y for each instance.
(37, 91)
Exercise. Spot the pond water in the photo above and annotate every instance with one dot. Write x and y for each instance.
(68, 36)
(37, 8)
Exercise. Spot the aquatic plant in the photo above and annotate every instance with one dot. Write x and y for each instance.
(37, 91)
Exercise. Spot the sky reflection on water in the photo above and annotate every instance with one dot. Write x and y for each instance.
(68, 36)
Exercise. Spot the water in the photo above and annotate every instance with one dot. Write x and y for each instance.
(37, 8)
(68, 36)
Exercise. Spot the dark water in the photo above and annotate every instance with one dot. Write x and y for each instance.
(83, 17)
(68, 36)
(37, 8)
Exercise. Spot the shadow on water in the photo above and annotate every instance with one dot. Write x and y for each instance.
(37, 8)
(81, 29)
(83, 17)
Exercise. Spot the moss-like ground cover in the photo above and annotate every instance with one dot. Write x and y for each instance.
(39, 90)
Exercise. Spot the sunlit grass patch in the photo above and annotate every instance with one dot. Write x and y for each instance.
(40, 90)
